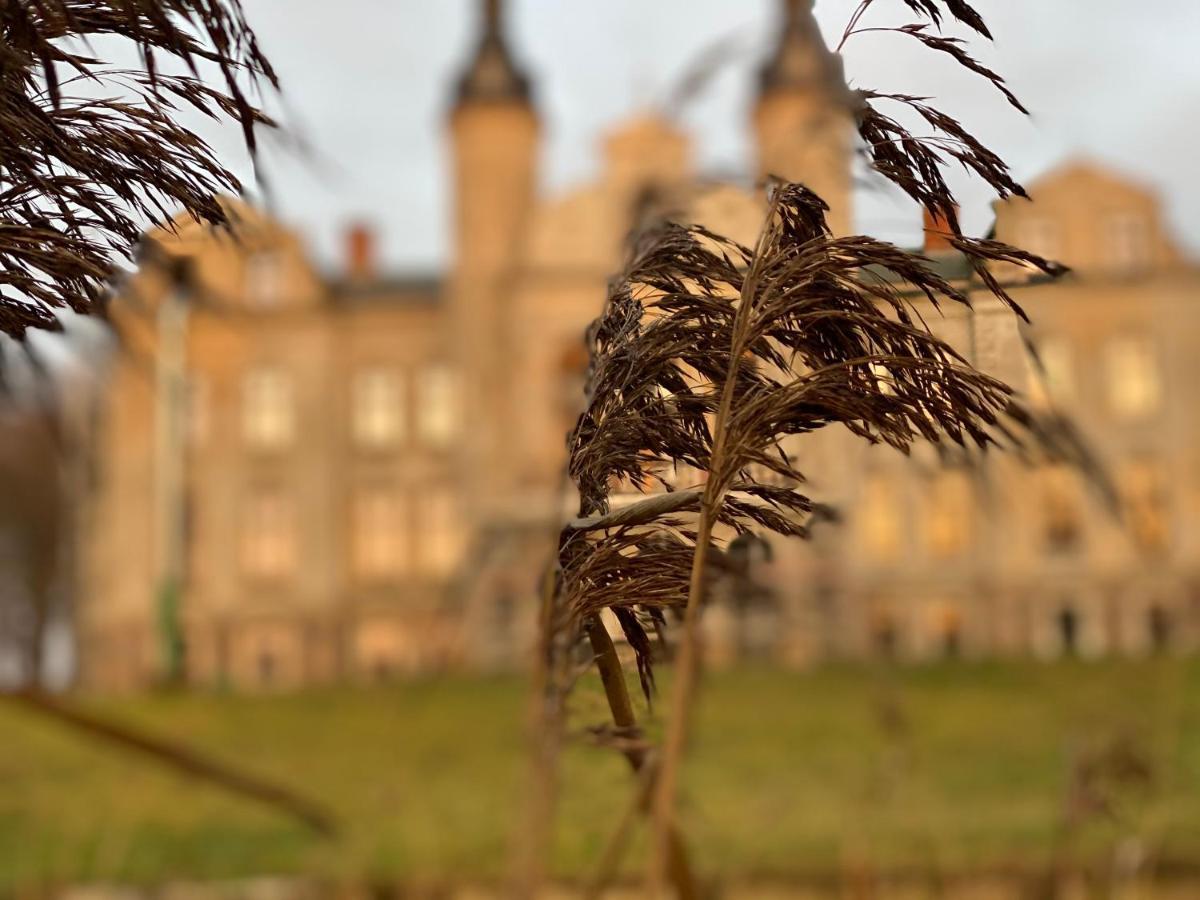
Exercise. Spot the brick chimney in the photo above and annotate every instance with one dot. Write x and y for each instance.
(936, 234)
(360, 252)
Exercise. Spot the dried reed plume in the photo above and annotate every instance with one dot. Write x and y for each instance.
(709, 354)
(94, 154)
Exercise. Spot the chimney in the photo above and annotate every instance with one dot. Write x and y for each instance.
(937, 234)
(360, 252)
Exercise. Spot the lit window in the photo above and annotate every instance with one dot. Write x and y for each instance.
(378, 408)
(1133, 382)
(380, 534)
(437, 410)
(268, 419)
(264, 279)
(1040, 236)
(441, 532)
(268, 535)
(949, 526)
(1128, 242)
(1144, 495)
(1060, 504)
(881, 525)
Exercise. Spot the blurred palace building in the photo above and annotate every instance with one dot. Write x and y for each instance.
(298, 479)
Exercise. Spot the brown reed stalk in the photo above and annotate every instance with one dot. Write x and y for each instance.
(708, 355)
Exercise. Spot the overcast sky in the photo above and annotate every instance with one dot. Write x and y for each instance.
(367, 83)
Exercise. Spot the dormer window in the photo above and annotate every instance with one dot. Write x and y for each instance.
(1127, 242)
(1041, 235)
(264, 279)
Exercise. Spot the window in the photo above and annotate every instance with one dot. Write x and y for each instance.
(1128, 242)
(1053, 384)
(881, 525)
(267, 413)
(441, 531)
(1060, 504)
(1040, 236)
(264, 279)
(1144, 496)
(378, 409)
(1133, 381)
(380, 534)
(949, 525)
(437, 411)
(268, 535)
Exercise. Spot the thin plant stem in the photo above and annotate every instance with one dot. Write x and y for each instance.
(687, 661)
(676, 866)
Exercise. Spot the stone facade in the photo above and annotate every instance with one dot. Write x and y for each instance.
(301, 478)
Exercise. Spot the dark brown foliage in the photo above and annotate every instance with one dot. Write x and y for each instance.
(802, 331)
(93, 153)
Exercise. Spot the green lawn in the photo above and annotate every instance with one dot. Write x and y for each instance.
(790, 773)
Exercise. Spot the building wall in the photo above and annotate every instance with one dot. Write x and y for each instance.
(326, 551)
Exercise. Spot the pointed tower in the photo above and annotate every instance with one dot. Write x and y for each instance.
(494, 133)
(802, 120)
(494, 129)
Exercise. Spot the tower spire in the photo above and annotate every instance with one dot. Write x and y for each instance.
(801, 59)
(492, 73)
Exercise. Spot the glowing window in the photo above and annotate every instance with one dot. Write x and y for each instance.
(949, 526)
(437, 405)
(1134, 388)
(268, 535)
(880, 517)
(378, 408)
(1144, 495)
(268, 416)
(380, 533)
(1061, 508)
(441, 531)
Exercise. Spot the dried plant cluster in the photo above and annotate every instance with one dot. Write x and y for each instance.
(709, 356)
(95, 153)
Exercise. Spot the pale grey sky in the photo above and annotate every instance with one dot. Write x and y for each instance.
(367, 83)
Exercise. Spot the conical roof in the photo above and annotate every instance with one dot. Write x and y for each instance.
(801, 59)
(492, 73)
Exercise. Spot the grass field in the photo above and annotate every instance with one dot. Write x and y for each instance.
(954, 766)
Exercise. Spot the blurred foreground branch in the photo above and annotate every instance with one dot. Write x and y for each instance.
(179, 757)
